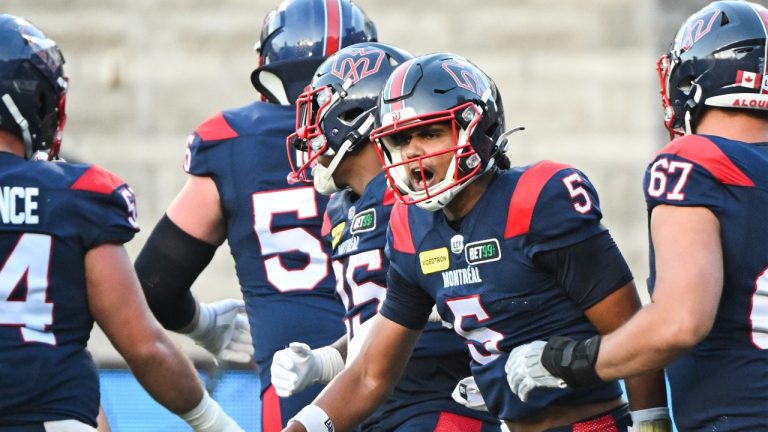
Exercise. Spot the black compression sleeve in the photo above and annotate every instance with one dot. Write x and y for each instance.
(167, 265)
(588, 271)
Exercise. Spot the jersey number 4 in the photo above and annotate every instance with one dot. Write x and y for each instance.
(28, 263)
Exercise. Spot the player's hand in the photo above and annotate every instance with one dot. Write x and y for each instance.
(525, 371)
(223, 330)
(298, 366)
(466, 393)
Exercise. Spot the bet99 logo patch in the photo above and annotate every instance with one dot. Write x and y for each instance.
(482, 251)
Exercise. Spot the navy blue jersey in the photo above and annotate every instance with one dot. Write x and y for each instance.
(722, 383)
(356, 228)
(482, 276)
(51, 214)
(273, 228)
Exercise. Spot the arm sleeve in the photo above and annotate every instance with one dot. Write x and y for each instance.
(167, 265)
(587, 271)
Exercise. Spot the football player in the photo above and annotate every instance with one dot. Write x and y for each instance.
(237, 190)
(508, 256)
(334, 118)
(706, 196)
(62, 229)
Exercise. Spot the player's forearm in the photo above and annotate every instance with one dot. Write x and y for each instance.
(642, 345)
(166, 374)
(351, 397)
(646, 391)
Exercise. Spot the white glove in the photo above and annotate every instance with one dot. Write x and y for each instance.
(297, 367)
(208, 416)
(525, 371)
(223, 330)
(651, 420)
(434, 316)
(466, 393)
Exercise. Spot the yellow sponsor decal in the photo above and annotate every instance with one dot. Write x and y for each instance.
(434, 260)
(336, 234)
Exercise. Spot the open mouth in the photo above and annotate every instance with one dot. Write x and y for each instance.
(421, 178)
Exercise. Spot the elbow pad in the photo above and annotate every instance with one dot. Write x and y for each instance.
(167, 265)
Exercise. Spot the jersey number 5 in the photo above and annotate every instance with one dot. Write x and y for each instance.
(485, 342)
(302, 202)
(28, 264)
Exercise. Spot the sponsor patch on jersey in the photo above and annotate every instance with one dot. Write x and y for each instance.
(435, 260)
(336, 234)
(457, 244)
(482, 251)
(364, 221)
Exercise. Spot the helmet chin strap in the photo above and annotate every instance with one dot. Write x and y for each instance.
(21, 121)
(696, 98)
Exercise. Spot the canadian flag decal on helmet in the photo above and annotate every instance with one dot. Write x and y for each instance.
(465, 77)
(357, 64)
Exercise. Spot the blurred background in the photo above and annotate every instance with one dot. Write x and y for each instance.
(578, 74)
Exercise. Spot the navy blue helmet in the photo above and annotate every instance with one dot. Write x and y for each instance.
(718, 58)
(32, 87)
(334, 114)
(297, 36)
(440, 88)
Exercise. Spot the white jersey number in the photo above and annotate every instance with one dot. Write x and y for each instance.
(359, 293)
(659, 173)
(302, 202)
(470, 307)
(28, 263)
(758, 316)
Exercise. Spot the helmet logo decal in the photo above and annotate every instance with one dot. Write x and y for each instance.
(44, 48)
(695, 30)
(466, 77)
(356, 64)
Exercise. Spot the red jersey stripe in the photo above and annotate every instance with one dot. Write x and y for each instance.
(704, 152)
(215, 128)
(326, 228)
(526, 194)
(98, 180)
(401, 230)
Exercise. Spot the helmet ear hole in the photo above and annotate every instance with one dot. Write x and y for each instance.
(686, 84)
(350, 115)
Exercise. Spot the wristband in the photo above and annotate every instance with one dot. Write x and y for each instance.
(651, 420)
(573, 361)
(330, 361)
(658, 413)
(204, 414)
(314, 419)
